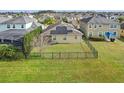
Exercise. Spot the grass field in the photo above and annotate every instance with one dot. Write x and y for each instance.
(109, 67)
(81, 47)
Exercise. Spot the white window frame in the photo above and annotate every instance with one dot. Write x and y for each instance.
(112, 26)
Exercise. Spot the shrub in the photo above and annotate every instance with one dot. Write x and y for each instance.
(9, 52)
(49, 21)
(97, 39)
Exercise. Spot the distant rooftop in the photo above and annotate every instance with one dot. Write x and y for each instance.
(98, 20)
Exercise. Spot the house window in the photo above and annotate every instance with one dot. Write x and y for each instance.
(13, 25)
(22, 26)
(90, 34)
(100, 34)
(113, 26)
(64, 38)
(75, 37)
(115, 33)
(90, 26)
(54, 38)
(95, 26)
(8, 25)
(100, 25)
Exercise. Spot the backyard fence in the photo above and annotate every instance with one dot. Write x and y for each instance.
(68, 55)
(94, 51)
(63, 55)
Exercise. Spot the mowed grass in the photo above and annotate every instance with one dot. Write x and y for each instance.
(109, 67)
(79, 47)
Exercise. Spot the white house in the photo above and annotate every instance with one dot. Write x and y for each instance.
(13, 30)
(22, 22)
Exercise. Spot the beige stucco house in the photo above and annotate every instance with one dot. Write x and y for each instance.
(100, 27)
(64, 33)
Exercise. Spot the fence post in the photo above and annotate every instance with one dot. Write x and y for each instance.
(52, 55)
(77, 54)
(59, 55)
(68, 55)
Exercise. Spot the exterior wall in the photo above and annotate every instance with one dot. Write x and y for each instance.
(3, 27)
(28, 25)
(122, 32)
(69, 39)
(104, 28)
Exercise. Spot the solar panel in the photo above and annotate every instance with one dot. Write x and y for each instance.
(61, 28)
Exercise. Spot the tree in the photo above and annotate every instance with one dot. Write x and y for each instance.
(49, 21)
(64, 19)
(121, 19)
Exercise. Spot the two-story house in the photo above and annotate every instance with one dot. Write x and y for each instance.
(22, 22)
(100, 27)
(12, 30)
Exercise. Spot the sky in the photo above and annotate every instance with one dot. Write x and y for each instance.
(61, 4)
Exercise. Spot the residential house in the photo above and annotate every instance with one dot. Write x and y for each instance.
(100, 27)
(122, 29)
(13, 30)
(64, 33)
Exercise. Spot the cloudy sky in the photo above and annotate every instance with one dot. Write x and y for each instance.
(61, 5)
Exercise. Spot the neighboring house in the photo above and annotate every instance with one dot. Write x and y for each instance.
(64, 33)
(122, 29)
(13, 30)
(22, 22)
(100, 27)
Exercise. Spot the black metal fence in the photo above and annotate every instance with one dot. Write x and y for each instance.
(63, 55)
(68, 55)
(94, 51)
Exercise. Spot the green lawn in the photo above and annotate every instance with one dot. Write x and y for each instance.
(109, 67)
(80, 47)
(67, 48)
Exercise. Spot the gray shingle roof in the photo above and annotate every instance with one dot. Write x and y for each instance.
(13, 34)
(3, 19)
(19, 20)
(64, 28)
(98, 20)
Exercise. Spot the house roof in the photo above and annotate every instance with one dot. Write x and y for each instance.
(98, 20)
(19, 20)
(3, 19)
(13, 34)
(64, 28)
